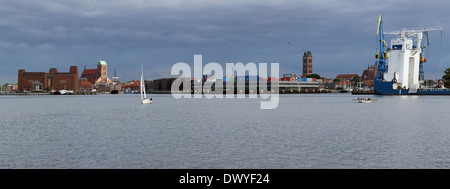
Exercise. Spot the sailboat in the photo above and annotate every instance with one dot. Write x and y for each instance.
(144, 98)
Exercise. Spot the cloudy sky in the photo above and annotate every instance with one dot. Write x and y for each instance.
(36, 35)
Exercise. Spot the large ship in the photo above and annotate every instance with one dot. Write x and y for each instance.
(400, 66)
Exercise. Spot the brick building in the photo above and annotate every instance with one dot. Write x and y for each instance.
(164, 84)
(370, 74)
(39, 81)
(131, 86)
(307, 63)
(97, 76)
(86, 87)
(346, 77)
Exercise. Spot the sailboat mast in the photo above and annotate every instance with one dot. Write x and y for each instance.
(143, 83)
(142, 78)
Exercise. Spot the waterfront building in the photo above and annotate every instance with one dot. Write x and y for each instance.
(115, 87)
(346, 77)
(8, 88)
(39, 81)
(289, 77)
(231, 84)
(131, 86)
(330, 85)
(86, 87)
(300, 85)
(163, 84)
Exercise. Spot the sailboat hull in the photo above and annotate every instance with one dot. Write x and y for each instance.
(146, 101)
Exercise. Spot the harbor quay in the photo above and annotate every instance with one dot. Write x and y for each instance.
(96, 81)
(230, 85)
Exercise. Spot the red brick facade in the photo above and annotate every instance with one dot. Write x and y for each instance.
(56, 80)
(347, 77)
(26, 80)
(90, 74)
(97, 76)
(307, 63)
(86, 87)
(370, 74)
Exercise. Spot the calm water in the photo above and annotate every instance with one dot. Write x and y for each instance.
(305, 131)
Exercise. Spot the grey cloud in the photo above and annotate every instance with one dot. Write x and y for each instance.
(37, 35)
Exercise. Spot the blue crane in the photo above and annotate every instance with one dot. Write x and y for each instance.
(381, 56)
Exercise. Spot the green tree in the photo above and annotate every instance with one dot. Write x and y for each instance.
(447, 74)
(5, 86)
(446, 77)
(317, 76)
(336, 80)
(356, 79)
(48, 88)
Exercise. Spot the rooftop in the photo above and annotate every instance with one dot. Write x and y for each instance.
(85, 83)
(347, 75)
(307, 53)
(102, 62)
(89, 72)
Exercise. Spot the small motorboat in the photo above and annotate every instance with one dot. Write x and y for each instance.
(364, 100)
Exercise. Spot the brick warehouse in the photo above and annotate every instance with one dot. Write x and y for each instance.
(39, 81)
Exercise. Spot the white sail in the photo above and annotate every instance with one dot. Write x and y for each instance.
(142, 80)
(143, 88)
(144, 98)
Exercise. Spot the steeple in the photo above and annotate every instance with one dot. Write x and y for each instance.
(307, 63)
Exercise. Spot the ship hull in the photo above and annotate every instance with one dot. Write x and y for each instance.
(387, 88)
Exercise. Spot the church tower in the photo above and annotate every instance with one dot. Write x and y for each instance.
(102, 71)
(307, 63)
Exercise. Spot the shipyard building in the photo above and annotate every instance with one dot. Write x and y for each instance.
(40, 81)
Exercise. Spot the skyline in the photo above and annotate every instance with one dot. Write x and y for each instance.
(341, 35)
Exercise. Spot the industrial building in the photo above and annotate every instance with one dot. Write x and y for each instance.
(159, 85)
(39, 81)
(231, 83)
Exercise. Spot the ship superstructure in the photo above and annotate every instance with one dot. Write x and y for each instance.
(400, 65)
